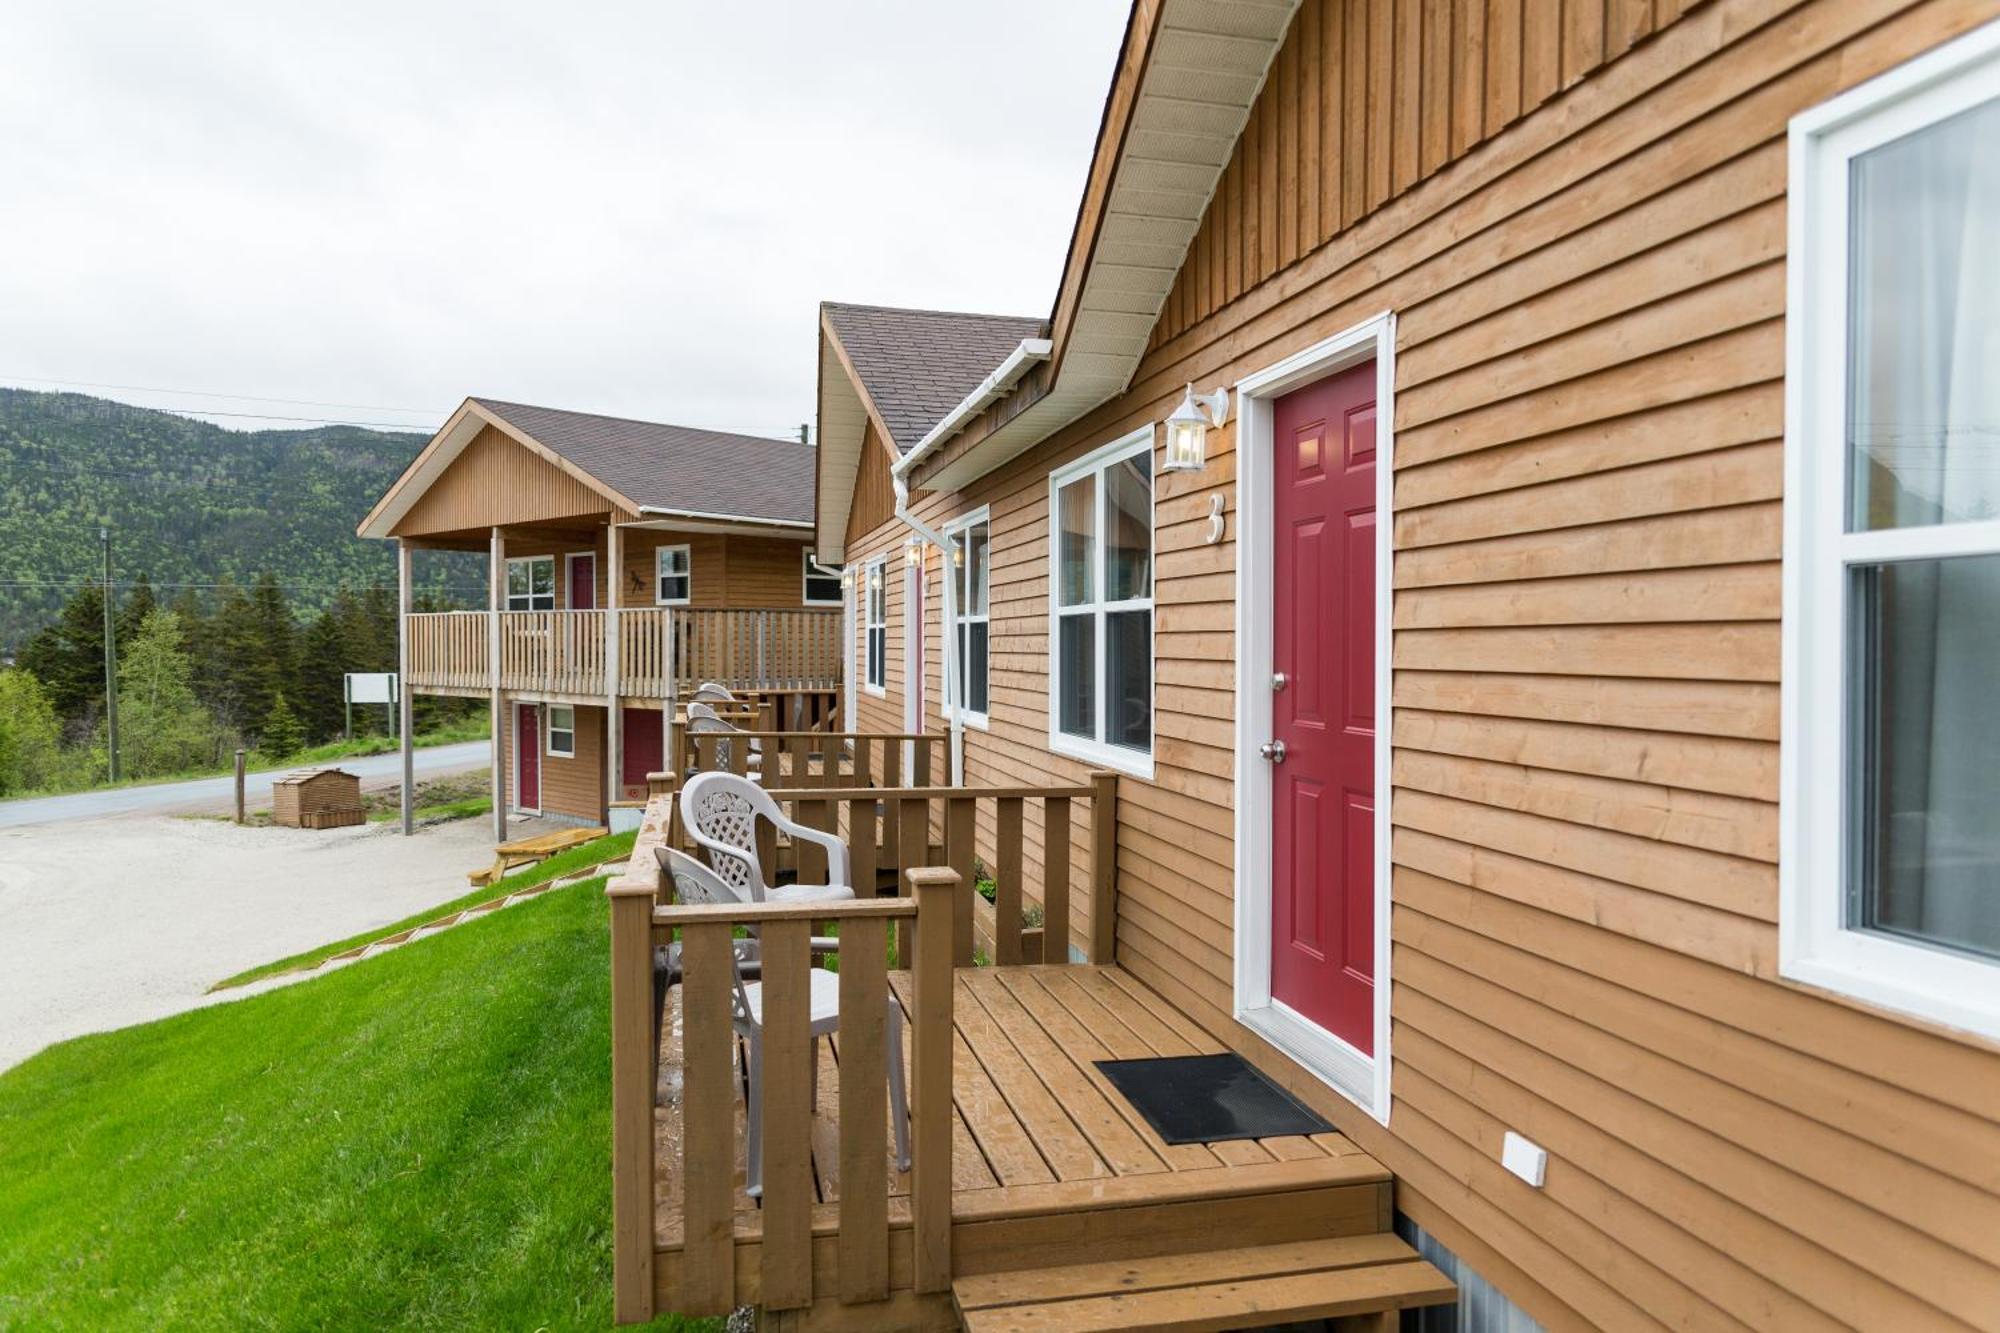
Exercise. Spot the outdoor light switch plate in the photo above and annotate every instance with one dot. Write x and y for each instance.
(1529, 1161)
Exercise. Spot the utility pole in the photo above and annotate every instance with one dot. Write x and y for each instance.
(805, 433)
(110, 656)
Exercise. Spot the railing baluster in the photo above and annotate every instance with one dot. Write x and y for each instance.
(960, 817)
(861, 844)
(863, 1245)
(1007, 951)
(708, 1155)
(930, 1077)
(787, 1116)
(913, 820)
(1055, 880)
(1103, 867)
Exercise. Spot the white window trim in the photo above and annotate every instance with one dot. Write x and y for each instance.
(807, 565)
(979, 721)
(660, 554)
(549, 730)
(849, 583)
(1361, 1078)
(569, 579)
(1101, 753)
(878, 567)
(1815, 945)
(507, 598)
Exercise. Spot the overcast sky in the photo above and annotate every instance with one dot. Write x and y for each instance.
(624, 208)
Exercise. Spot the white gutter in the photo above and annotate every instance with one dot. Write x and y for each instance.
(727, 518)
(1003, 378)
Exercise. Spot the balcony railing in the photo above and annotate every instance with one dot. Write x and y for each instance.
(661, 650)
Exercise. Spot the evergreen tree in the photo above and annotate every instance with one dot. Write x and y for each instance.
(30, 734)
(68, 657)
(282, 735)
(137, 603)
(274, 644)
(162, 728)
(323, 662)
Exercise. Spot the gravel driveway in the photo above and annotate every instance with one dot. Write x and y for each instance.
(108, 922)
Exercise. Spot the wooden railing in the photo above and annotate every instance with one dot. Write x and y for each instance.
(750, 649)
(941, 919)
(707, 1281)
(448, 650)
(662, 651)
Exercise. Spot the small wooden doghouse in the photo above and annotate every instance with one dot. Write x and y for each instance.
(317, 798)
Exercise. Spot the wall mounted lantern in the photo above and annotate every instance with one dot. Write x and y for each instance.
(913, 553)
(1188, 427)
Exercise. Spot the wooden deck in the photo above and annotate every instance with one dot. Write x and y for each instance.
(1051, 1166)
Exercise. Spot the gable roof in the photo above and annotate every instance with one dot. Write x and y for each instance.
(1188, 74)
(639, 467)
(917, 365)
(907, 373)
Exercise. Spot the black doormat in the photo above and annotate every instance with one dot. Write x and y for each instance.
(1209, 1098)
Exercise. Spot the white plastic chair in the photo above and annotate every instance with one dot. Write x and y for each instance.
(720, 812)
(697, 883)
(705, 723)
(710, 692)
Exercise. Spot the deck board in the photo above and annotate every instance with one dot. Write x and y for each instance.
(1034, 1121)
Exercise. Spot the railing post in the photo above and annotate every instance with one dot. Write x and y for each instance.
(1103, 867)
(496, 590)
(633, 1075)
(935, 889)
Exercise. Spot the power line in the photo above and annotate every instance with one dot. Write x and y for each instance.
(234, 397)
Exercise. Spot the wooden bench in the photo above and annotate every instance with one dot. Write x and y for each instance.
(1358, 1281)
(511, 856)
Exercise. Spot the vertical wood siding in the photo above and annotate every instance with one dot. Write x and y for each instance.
(495, 480)
(1588, 280)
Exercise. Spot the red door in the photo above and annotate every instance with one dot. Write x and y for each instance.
(645, 748)
(528, 756)
(1323, 641)
(582, 582)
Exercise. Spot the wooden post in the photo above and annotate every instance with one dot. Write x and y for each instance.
(239, 787)
(1104, 867)
(960, 818)
(632, 1077)
(408, 801)
(614, 719)
(935, 890)
(669, 630)
(496, 591)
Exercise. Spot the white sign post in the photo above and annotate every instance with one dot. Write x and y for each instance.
(370, 687)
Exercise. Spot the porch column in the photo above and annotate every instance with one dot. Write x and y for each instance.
(403, 685)
(496, 589)
(614, 721)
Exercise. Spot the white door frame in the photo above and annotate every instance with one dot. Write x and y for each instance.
(916, 611)
(1362, 1079)
(851, 593)
(541, 770)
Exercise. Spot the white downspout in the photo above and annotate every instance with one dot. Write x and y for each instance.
(933, 537)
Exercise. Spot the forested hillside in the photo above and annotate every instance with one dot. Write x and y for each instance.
(190, 503)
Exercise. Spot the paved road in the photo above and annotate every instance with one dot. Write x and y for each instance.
(210, 793)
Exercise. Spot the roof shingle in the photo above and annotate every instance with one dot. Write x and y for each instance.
(679, 468)
(917, 365)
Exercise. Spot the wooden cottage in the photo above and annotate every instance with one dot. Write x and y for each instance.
(317, 798)
(628, 561)
(1508, 489)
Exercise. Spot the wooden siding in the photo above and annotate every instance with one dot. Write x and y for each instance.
(874, 495)
(1588, 417)
(1369, 98)
(573, 788)
(497, 481)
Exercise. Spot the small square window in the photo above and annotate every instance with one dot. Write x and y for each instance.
(562, 731)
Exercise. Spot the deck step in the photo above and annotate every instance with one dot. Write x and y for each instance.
(1217, 1289)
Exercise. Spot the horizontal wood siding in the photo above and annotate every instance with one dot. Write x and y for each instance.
(570, 787)
(1587, 273)
(730, 569)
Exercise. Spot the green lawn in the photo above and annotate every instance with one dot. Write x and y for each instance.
(421, 1140)
(576, 858)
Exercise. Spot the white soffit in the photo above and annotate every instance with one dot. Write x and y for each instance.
(1202, 76)
(843, 430)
